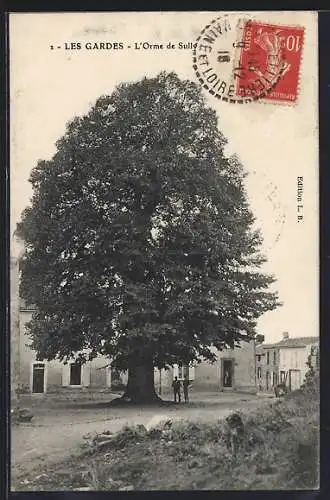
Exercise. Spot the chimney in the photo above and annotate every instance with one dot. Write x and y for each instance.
(285, 335)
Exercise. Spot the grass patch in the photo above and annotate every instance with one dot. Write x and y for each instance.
(279, 450)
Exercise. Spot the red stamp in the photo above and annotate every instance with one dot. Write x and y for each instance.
(245, 60)
(268, 64)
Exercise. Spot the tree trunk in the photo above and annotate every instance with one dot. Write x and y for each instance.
(140, 385)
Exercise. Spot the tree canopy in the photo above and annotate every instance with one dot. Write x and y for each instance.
(140, 244)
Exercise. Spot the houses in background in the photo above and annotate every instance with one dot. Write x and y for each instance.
(266, 367)
(285, 362)
(234, 370)
(247, 368)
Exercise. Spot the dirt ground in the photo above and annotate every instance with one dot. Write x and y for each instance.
(57, 430)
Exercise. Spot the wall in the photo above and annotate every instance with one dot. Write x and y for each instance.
(96, 374)
(260, 370)
(270, 365)
(295, 358)
(14, 332)
(27, 356)
(287, 358)
(209, 376)
(163, 380)
(244, 374)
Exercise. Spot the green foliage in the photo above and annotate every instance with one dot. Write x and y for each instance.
(139, 234)
(127, 435)
(259, 339)
(279, 450)
(312, 377)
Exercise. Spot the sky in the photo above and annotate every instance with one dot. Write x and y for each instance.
(275, 142)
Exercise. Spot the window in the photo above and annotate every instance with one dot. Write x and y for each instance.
(274, 358)
(259, 372)
(75, 374)
(183, 370)
(274, 379)
(267, 357)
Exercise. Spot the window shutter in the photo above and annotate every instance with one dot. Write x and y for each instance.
(108, 376)
(65, 375)
(191, 373)
(175, 371)
(86, 375)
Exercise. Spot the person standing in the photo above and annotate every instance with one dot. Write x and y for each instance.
(186, 386)
(176, 384)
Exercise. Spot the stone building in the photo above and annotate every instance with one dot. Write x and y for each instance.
(16, 251)
(267, 359)
(285, 361)
(233, 370)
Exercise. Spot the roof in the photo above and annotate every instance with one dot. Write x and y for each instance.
(260, 349)
(297, 342)
(293, 342)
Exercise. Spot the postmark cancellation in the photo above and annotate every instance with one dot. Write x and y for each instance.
(241, 60)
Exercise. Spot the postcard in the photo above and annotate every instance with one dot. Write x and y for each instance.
(164, 251)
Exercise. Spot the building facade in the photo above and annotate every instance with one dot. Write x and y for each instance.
(285, 361)
(267, 367)
(234, 370)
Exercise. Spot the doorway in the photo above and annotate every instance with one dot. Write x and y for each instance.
(267, 381)
(38, 378)
(75, 374)
(295, 380)
(227, 373)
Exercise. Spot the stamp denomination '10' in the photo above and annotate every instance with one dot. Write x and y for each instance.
(243, 60)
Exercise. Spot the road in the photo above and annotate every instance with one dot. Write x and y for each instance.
(56, 433)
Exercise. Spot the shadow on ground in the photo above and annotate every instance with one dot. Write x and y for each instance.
(121, 403)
